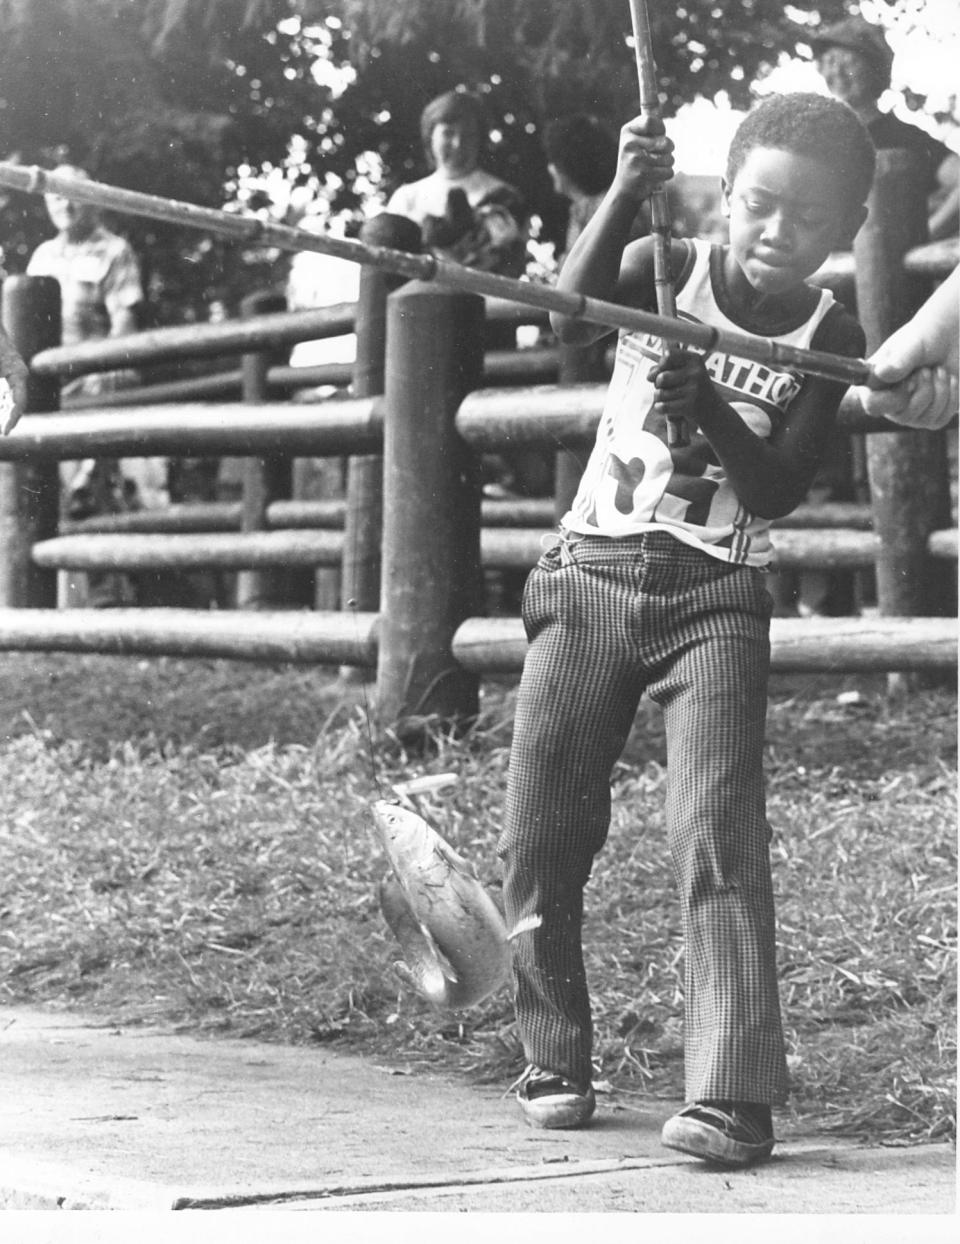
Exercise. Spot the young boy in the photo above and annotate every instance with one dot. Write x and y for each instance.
(656, 585)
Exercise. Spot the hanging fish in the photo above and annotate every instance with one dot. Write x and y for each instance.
(455, 944)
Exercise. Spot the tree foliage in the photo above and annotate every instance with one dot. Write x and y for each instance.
(575, 53)
(176, 97)
(537, 59)
(163, 96)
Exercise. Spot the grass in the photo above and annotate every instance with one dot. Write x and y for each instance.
(188, 843)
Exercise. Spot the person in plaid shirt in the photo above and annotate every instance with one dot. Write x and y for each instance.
(98, 273)
(100, 290)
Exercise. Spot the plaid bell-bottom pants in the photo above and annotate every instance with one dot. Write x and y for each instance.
(606, 621)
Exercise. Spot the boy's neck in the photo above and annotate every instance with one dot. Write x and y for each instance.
(867, 112)
(754, 306)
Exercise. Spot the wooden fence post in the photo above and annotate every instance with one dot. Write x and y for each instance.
(30, 491)
(363, 520)
(432, 578)
(908, 475)
(264, 479)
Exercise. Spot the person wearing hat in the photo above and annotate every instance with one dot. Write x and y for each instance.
(855, 60)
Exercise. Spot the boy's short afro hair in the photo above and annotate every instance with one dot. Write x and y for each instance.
(815, 126)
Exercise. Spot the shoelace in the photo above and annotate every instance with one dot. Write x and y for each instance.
(520, 1082)
(533, 1073)
(733, 1123)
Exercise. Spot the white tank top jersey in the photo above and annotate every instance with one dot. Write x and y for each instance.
(634, 482)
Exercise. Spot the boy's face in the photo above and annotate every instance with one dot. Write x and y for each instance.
(454, 147)
(787, 213)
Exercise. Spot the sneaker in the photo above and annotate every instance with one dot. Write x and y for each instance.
(730, 1133)
(551, 1100)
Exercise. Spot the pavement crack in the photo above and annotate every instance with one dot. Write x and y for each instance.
(378, 1187)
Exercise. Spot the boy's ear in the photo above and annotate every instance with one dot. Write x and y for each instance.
(851, 226)
(725, 197)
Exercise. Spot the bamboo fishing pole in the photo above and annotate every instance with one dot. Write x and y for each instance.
(426, 267)
(659, 204)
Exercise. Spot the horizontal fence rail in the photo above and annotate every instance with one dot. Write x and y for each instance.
(812, 645)
(338, 426)
(506, 512)
(480, 645)
(500, 548)
(488, 419)
(283, 636)
(157, 345)
(568, 415)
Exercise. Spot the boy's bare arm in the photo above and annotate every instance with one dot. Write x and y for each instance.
(770, 476)
(600, 263)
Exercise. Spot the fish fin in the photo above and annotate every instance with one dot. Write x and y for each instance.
(442, 962)
(416, 940)
(456, 861)
(526, 925)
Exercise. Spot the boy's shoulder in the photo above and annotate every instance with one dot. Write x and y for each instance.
(638, 270)
(839, 332)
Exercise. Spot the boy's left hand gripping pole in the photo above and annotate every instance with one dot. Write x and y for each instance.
(677, 434)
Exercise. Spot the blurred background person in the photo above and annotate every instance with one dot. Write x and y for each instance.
(100, 291)
(465, 214)
(581, 153)
(855, 60)
(319, 280)
(472, 217)
(13, 377)
(581, 156)
(99, 277)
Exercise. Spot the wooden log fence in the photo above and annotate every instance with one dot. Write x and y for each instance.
(500, 548)
(29, 486)
(797, 645)
(479, 646)
(425, 641)
(347, 425)
(494, 512)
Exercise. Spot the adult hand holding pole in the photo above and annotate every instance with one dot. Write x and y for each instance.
(659, 206)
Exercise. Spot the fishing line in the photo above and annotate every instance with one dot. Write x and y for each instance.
(351, 604)
(366, 715)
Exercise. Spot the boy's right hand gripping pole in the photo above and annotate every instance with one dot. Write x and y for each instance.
(659, 206)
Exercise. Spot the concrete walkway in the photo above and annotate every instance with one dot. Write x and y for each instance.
(100, 1118)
